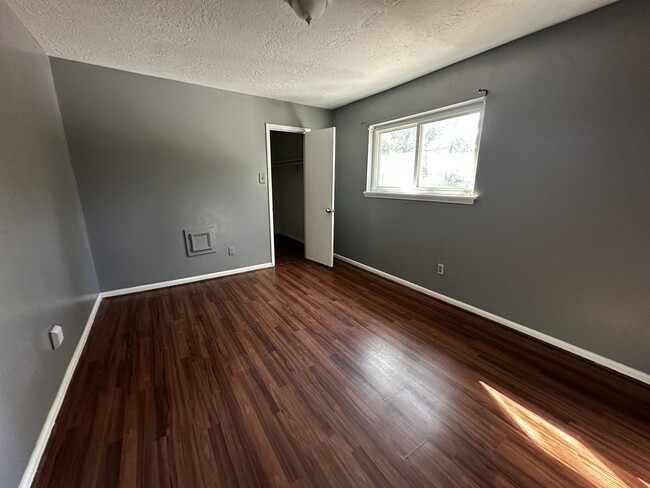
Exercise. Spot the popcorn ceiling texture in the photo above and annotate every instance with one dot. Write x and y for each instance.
(259, 47)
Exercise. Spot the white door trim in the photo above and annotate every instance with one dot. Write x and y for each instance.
(269, 183)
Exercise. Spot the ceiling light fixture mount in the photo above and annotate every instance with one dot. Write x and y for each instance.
(309, 10)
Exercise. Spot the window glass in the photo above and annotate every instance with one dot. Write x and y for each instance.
(397, 157)
(448, 152)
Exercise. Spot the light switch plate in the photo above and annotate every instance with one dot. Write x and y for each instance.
(262, 178)
(200, 241)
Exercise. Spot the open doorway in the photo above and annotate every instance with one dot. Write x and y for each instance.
(288, 177)
(300, 169)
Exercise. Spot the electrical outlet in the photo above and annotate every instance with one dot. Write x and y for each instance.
(440, 269)
(231, 250)
(56, 336)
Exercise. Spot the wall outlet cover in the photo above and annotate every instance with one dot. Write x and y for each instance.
(56, 336)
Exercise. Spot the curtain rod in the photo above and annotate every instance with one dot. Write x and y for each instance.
(430, 112)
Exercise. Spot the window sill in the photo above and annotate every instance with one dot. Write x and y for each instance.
(425, 197)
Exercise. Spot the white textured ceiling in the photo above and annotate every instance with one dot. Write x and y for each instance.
(259, 47)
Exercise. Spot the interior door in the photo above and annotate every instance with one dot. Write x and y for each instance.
(319, 195)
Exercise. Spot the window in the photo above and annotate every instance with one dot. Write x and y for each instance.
(430, 156)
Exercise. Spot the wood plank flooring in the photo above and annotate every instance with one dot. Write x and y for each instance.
(305, 376)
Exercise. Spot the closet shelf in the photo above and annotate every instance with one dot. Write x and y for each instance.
(286, 162)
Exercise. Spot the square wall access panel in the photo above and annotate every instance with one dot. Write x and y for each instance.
(199, 241)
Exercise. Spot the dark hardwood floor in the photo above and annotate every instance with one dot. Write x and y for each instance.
(307, 376)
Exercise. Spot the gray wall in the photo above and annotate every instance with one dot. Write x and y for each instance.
(559, 239)
(46, 271)
(155, 156)
(288, 185)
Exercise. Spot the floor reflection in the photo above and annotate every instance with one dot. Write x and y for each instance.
(562, 446)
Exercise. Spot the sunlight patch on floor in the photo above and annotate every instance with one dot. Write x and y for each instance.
(560, 445)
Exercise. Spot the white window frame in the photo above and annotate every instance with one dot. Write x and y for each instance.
(416, 192)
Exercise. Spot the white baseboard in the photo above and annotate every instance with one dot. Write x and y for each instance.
(596, 358)
(35, 459)
(183, 281)
(41, 443)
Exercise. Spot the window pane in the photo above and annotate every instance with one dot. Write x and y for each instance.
(448, 152)
(397, 158)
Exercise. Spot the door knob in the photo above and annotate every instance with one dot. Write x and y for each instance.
(329, 210)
